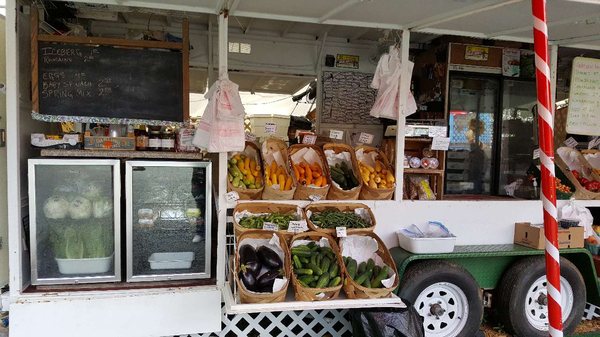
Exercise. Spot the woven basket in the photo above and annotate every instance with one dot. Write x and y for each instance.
(580, 192)
(335, 192)
(248, 194)
(340, 206)
(304, 192)
(354, 290)
(251, 297)
(271, 145)
(264, 207)
(302, 293)
(369, 193)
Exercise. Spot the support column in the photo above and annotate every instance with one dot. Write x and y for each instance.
(402, 98)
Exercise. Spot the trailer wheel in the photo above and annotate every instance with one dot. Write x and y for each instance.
(446, 296)
(522, 297)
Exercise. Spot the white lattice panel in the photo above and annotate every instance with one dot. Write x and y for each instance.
(591, 311)
(313, 323)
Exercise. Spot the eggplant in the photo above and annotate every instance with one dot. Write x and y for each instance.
(265, 281)
(248, 280)
(269, 258)
(249, 260)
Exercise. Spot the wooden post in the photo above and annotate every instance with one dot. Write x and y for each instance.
(35, 102)
(186, 69)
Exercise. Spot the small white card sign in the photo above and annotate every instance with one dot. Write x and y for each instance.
(437, 131)
(594, 143)
(365, 138)
(336, 134)
(583, 117)
(250, 137)
(314, 197)
(536, 153)
(340, 232)
(232, 196)
(309, 139)
(440, 143)
(297, 226)
(269, 226)
(571, 142)
(270, 128)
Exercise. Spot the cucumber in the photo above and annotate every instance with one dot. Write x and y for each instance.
(352, 268)
(334, 270)
(361, 278)
(303, 284)
(304, 259)
(301, 252)
(313, 284)
(345, 259)
(334, 282)
(297, 263)
(316, 270)
(304, 271)
(313, 258)
(376, 270)
(325, 264)
(382, 275)
(367, 283)
(362, 267)
(318, 259)
(370, 264)
(305, 279)
(323, 281)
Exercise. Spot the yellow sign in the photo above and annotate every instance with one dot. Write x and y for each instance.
(477, 53)
(347, 61)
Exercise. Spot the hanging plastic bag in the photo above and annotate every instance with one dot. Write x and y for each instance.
(574, 212)
(387, 82)
(221, 128)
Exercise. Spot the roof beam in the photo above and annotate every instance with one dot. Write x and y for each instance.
(250, 21)
(287, 28)
(565, 21)
(220, 5)
(234, 6)
(360, 34)
(577, 40)
(479, 7)
(338, 9)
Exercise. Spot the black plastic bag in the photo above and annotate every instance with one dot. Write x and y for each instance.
(387, 322)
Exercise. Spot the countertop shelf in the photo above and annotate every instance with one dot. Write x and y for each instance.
(121, 154)
(422, 171)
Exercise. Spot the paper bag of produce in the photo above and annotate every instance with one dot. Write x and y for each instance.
(279, 184)
(310, 174)
(244, 173)
(376, 174)
(343, 172)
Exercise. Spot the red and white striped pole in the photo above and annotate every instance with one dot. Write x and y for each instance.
(546, 139)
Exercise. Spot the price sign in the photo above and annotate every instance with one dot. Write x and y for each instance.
(250, 137)
(440, 143)
(409, 131)
(297, 226)
(270, 128)
(340, 232)
(594, 143)
(314, 197)
(269, 226)
(571, 142)
(309, 139)
(365, 138)
(536, 153)
(232, 196)
(437, 131)
(336, 134)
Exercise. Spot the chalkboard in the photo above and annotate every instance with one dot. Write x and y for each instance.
(583, 117)
(107, 82)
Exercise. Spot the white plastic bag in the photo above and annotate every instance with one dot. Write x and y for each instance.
(221, 128)
(572, 211)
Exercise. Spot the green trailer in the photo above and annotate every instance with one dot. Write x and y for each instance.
(451, 290)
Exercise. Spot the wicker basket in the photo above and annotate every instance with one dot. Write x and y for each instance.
(369, 193)
(248, 194)
(581, 193)
(247, 296)
(304, 192)
(335, 192)
(354, 290)
(340, 206)
(264, 207)
(302, 293)
(269, 146)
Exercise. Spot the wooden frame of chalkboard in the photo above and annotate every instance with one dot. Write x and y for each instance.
(72, 92)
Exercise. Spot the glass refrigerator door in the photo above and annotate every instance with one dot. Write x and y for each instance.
(472, 108)
(74, 211)
(168, 220)
(518, 139)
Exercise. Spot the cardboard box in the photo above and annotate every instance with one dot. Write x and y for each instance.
(532, 236)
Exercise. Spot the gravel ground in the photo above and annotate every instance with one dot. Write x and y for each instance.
(585, 327)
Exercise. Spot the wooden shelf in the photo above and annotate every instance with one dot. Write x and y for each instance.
(418, 139)
(121, 154)
(422, 171)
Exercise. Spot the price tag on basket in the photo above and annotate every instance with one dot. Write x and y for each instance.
(297, 226)
(309, 139)
(270, 128)
(340, 232)
(336, 134)
(365, 138)
(269, 226)
(314, 197)
(594, 143)
(440, 143)
(437, 131)
(250, 137)
(571, 142)
(232, 196)
(536, 153)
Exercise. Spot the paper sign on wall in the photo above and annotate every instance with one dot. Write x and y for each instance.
(309, 139)
(365, 138)
(583, 117)
(336, 134)
(270, 128)
(440, 143)
(437, 131)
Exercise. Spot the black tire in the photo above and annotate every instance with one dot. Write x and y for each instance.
(422, 275)
(515, 285)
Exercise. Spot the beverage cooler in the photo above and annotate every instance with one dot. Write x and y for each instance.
(168, 220)
(75, 221)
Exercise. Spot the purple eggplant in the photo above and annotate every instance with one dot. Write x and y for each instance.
(249, 260)
(269, 258)
(248, 280)
(264, 284)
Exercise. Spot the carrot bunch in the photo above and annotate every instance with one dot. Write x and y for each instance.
(277, 175)
(309, 175)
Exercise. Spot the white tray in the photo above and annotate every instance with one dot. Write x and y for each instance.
(426, 245)
(84, 266)
(179, 260)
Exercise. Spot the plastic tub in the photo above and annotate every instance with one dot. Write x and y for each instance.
(179, 260)
(426, 245)
(84, 266)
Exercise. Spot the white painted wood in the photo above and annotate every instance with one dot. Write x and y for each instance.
(3, 174)
(405, 78)
(148, 313)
